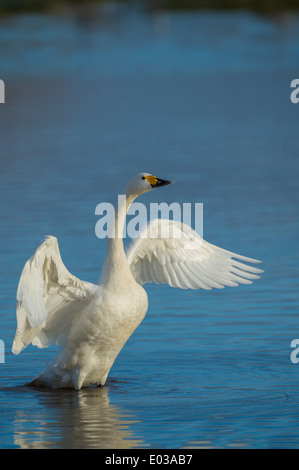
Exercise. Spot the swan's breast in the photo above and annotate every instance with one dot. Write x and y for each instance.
(119, 310)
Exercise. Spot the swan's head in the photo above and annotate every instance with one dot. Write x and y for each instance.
(144, 182)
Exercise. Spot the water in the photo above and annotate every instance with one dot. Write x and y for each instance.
(200, 98)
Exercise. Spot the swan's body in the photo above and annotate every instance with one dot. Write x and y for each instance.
(91, 323)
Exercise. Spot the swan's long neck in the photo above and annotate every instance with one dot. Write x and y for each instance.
(116, 261)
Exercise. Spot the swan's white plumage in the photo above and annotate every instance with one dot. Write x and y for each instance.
(49, 297)
(91, 323)
(185, 260)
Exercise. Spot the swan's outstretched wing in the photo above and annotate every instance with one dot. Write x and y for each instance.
(170, 252)
(48, 297)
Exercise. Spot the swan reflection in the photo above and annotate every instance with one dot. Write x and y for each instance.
(69, 419)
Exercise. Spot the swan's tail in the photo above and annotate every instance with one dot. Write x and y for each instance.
(54, 376)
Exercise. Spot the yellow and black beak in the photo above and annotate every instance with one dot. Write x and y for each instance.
(156, 182)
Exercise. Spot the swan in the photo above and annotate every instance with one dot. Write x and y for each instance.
(91, 323)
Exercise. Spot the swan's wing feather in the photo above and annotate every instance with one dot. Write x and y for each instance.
(170, 252)
(48, 296)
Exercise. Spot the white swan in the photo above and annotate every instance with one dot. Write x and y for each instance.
(91, 323)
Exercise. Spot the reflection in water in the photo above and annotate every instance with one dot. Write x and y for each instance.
(68, 419)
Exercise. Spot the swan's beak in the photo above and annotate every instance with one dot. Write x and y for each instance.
(158, 183)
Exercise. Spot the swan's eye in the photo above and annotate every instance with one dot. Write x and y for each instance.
(143, 177)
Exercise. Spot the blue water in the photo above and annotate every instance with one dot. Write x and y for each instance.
(199, 98)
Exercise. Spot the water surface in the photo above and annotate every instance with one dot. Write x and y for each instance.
(199, 98)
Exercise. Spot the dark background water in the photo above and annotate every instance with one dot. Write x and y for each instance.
(202, 98)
